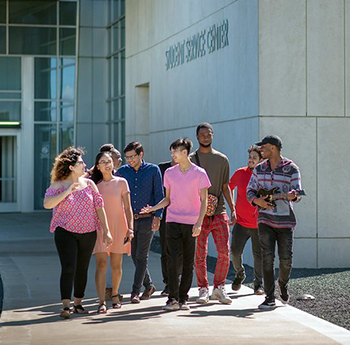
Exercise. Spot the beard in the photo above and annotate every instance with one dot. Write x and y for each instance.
(205, 145)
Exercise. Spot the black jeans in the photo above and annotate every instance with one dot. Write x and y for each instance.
(75, 252)
(240, 236)
(140, 246)
(165, 252)
(180, 242)
(268, 236)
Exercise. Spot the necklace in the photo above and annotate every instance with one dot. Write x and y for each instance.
(184, 171)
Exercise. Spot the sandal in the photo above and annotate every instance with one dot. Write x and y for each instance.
(116, 305)
(65, 313)
(79, 309)
(102, 308)
(120, 297)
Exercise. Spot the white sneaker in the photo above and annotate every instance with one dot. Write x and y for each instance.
(171, 304)
(220, 294)
(203, 296)
(183, 305)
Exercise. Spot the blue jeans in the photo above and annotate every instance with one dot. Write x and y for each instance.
(268, 236)
(240, 236)
(140, 246)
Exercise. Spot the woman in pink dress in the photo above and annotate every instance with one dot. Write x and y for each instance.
(116, 195)
(78, 215)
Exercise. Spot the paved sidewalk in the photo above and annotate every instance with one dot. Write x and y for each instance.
(29, 268)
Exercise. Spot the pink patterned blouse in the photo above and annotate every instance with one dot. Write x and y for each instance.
(77, 212)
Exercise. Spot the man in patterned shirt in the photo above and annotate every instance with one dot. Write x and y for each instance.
(275, 221)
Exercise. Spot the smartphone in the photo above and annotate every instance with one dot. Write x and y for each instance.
(126, 240)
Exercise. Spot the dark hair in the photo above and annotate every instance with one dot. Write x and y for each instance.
(185, 143)
(255, 148)
(204, 125)
(134, 145)
(69, 157)
(96, 175)
(109, 148)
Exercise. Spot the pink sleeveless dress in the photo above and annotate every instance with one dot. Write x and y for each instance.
(112, 193)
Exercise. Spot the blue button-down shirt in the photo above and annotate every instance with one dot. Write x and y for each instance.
(145, 185)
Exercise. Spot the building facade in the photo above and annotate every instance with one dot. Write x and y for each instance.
(94, 71)
(62, 83)
(251, 68)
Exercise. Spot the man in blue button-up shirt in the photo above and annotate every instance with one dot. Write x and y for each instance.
(146, 188)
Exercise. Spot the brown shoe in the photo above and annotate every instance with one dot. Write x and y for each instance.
(148, 292)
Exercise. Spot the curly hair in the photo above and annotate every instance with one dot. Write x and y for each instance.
(96, 175)
(256, 149)
(63, 161)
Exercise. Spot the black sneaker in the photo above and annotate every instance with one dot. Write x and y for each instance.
(283, 292)
(237, 283)
(269, 303)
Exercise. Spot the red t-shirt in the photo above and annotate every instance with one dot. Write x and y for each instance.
(247, 214)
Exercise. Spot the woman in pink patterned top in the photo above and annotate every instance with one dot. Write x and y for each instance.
(78, 213)
(116, 195)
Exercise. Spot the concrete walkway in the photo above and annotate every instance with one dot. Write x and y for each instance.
(30, 268)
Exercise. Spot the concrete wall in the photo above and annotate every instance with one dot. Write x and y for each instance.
(285, 71)
(303, 95)
(220, 87)
(91, 129)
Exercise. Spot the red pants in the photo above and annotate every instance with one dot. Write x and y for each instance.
(218, 226)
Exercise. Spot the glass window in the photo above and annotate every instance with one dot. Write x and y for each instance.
(122, 43)
(2, 40)
(109, 43)
(8, 169)
(122, 7)
(115, 30)
(122, 110)
(115, 111)
(10, 72)
(10, 95)
(67, 76)
(67, 41)
(68, 13)
(33, 12)
(45, 78)
(122, 91)
(67, 111)
(2, 11)
(109, 80)
(115, 76)
(66, 136)
(45, 148)
(10, 111)
(115, 10)
(33, 41)
(45, 111)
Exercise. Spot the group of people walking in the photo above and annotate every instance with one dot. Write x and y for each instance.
(111, 210)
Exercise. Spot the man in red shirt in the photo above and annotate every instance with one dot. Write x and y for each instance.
(246, 226)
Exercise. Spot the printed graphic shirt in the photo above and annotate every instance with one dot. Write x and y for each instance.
(286, 177)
